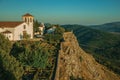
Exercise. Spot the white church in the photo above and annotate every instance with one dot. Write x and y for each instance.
(18, 29)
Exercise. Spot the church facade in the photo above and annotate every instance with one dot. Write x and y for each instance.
(18, 30)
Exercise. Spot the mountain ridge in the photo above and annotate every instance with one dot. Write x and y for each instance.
(109, 27)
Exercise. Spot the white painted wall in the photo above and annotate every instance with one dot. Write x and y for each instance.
(18, 32)
(9, 36)
(41, 30)
(1, 30)
(30, 30)
(4, 29)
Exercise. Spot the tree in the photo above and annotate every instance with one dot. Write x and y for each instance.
(59, 30)
(56, 37)
(10, 68)
(26, 36)
(36, 26)
(31, 54)
(11, 65)
(5, 44)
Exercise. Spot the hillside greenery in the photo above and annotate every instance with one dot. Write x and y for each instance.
(35, 57)
(104, 46)
(30, 60)
(30, 54)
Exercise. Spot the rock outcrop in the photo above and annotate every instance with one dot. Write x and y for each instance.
(74, 62)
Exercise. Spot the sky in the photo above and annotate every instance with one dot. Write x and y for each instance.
(85, 12)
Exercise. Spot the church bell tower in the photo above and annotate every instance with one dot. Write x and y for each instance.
(28, 18)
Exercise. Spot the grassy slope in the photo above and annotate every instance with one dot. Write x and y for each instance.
(102, 45)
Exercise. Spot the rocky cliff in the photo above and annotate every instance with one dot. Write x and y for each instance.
(74, 62)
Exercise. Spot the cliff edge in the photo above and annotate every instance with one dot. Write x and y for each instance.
(76, 63)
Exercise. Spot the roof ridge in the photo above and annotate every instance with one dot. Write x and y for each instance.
(27, 14)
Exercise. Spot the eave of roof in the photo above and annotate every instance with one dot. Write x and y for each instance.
(6, 32)
(9, 24)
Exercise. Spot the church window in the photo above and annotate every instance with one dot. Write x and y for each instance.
(30, 19)
(24, 27)
(25, 20)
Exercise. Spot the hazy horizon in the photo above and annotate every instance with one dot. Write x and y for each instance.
(85, 12)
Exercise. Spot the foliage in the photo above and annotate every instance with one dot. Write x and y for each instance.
(47, 26)
(59, 30)
(10, 68)
(9, 64)
(5, 44)
(55, 37)
(102, 45)
(31, 53)
(36, 76)
(36, 57)
(36, 26)
(26, 36)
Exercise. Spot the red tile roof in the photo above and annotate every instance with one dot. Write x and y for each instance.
(6, 32)
(27, 14)
(9, 24)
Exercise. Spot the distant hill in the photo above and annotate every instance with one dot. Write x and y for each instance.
(110, 27)
(102, 45)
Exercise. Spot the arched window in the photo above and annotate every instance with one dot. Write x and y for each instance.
(9, 36)
(30, 19)
(25, 19)
(24, 26)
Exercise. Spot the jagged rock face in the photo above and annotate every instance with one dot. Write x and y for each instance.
(73, 61)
